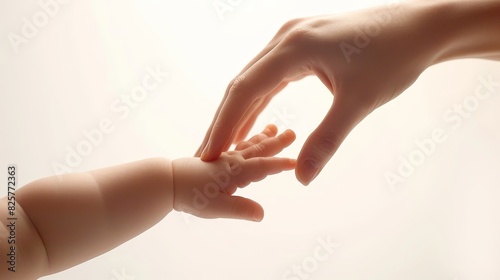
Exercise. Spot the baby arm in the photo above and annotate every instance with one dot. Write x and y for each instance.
(66, 220)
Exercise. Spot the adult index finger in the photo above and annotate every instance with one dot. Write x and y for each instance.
(259, 80)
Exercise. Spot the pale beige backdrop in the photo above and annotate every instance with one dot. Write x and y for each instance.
(441, 222)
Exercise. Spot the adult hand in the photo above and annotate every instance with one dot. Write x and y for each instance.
(365, 58)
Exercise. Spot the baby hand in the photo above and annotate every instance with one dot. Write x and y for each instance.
(205, 189)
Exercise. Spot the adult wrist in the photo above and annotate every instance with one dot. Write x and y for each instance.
(457, 29)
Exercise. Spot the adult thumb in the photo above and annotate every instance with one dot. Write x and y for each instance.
(324, 141)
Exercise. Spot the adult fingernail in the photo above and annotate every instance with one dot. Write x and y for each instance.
(310, 169)
(256, 219)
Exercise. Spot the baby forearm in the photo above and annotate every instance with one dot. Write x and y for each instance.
(80, 216)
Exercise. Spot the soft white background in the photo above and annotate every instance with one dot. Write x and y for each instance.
(442, 222)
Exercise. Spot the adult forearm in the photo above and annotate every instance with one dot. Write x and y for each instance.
(461, 28)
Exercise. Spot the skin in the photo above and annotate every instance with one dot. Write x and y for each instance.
(66, 220)
(412, 36)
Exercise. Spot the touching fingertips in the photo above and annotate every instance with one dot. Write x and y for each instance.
(289, 164)
(286, 164)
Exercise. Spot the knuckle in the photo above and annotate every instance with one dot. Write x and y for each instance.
(299, 35)
(263, 167)
(259, 149)
(290, 24)
(238, 208)
(302, 41)
(239, 85)
(220, 127)
(234, 166)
